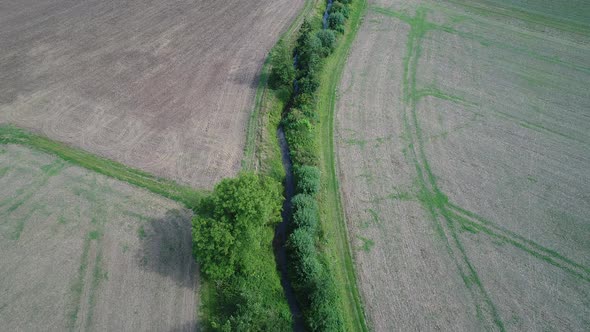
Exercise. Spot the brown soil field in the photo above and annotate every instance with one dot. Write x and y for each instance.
(463, 146)
(81, 251)
(163, 86)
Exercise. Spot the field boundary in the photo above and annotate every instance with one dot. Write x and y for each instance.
(254, 128)
(332, 214)
(10, 134)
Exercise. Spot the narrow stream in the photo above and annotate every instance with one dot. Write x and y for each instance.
(281, 231)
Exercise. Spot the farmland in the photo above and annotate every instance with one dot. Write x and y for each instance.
(81, 251)
(463, 149)
(163, 87)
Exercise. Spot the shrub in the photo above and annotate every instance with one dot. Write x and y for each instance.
(304, 201)
(307, 179)
(308, 84)
(306, 218)
(213, 245)
(309, 53)
(303, 100)
(232, 243)
(336, 22)
(324, 313)
(282, 72)
(301, 243)
(328, 40)
(338, 7)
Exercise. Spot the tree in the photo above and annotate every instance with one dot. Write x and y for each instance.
(328, 39)
(336, 22)
(230, 221)
(282, 73)
(213, 244)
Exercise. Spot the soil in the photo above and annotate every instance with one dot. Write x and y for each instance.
(463, 152)
(165, 87)
(81, 251)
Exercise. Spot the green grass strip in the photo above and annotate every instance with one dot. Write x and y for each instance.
(253, 128)
(333, 221)
(184, 194)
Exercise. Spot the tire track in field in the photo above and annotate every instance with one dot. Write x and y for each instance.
(448, 217)
(429, 194)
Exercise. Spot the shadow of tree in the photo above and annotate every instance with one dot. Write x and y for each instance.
(166, 248)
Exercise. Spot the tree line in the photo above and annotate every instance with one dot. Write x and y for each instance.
(299, 72)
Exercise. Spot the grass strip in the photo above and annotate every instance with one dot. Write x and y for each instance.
(265, 101)
(338, 248)
(10, 134)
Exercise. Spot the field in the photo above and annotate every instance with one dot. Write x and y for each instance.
(163, 87)
(81, 251)
(463, 149)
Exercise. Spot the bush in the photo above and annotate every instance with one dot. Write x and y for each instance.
(328, 40)
(282, 73)
(232, 242)
(307, 179)
(324, 313)
(306, 218)
(213, 244)
(308, 84)
(338, 7)
(336, 22)
(304, 201)
(303, 101)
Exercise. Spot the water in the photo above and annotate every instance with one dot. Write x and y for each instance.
(282, 228)
(281, 233)
(325, 18)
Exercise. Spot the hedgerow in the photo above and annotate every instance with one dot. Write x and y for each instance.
(311, 278)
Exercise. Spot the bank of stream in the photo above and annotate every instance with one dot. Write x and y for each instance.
(282, 229)
(281, 233)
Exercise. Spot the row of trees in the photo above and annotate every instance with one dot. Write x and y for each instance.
(299, 73)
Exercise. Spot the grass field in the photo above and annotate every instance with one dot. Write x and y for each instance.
(81, 251)
(159, 86)
(463, 135)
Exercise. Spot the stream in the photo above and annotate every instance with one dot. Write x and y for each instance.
(281, 231)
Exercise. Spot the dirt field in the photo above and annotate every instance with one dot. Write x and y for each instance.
(162, 86)
(81, 251)
(463, 143)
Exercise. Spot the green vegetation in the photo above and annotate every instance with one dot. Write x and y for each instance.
(307, 179)
(232, 236)
(335, 243)
(170, 189)
(282, 73)
(324, 299)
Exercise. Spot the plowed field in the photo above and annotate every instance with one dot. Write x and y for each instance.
(81, 251)
(163, 86)
(463, 144)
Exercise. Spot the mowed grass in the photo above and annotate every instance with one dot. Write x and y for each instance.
(82, 251)
(337, 243)
(490, 104)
